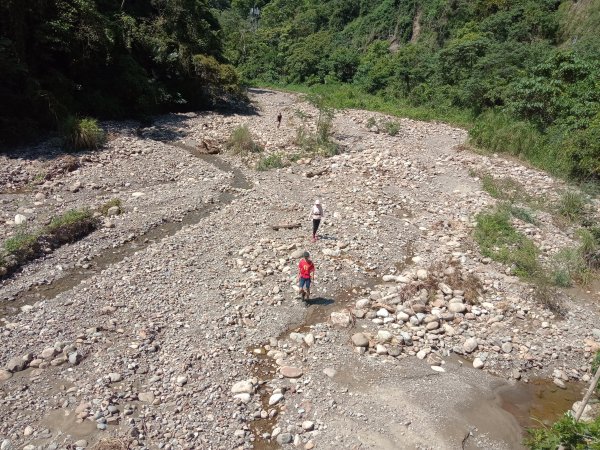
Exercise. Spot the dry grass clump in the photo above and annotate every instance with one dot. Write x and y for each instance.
(111, 444)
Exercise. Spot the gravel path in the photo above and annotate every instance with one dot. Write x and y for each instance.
(177, 324)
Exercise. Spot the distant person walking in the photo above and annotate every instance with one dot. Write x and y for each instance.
(316, 214)
(306, 274)
(279, 116)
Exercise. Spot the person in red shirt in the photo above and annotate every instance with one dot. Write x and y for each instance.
(306, 274)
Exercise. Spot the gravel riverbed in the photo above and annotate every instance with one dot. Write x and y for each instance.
(192, 336)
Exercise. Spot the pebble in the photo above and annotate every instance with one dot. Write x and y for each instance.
(290, 372)
(275, 398)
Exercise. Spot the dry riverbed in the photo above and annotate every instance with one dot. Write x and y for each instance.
(177, 325)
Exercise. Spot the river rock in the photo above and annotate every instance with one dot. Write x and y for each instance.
(275, 398)
(308, 425)
(341, 319)
(16, 364)
(447, 290)
(20, 219)
(363, 303)
(384, 336)
(360, 340)
(422, 274)
(115, 377)
(48, 353)
(457, 307)
(290, 372)
(4, 375)
(147, 397)
(478, 363)
(470, 345)
(284, 438)
(241, 387)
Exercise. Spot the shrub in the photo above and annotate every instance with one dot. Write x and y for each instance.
(371, 122)
(273, 161)
(23, 245)
(391, 127)
(565, 433)
(572, 206)
(82, 134)
(590, 246)
(241, 143)
(567, 265)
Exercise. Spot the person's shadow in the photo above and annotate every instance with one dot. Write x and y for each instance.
(320, 301)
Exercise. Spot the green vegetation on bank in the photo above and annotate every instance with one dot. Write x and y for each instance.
(522, 74)
(106, 59)
(565, 432)
(26, 245)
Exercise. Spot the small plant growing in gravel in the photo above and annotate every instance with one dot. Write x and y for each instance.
(500, 241)
(22, 244)
(82, 134)
(300, 114)
(112, 203)
(572, 206)
(391, 127)
(274, 161)
(521, 213)
(241, 143)
(71, 225)
(371, 122)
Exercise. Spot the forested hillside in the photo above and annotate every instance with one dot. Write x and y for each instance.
(525, 72)
(107, 59)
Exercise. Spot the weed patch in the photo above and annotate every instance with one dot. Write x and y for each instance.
(565, 433)
(274, 161)
(391, 127)
(241, 143)
(572, 206)
(82, 134)
(499, 240)
(25, 246)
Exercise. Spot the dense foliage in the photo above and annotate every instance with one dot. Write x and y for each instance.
(107, 59)
(528, 67)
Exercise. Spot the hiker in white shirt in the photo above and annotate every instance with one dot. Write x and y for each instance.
(316, 214)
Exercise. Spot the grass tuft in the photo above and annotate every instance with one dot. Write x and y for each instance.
(241, 143)
(499, 240)
(274, 161)
(391, 127)
(82, 134)
(572, 206)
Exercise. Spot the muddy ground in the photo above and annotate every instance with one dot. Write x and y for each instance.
(177, 325)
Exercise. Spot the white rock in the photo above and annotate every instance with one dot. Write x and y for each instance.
(384, 336)
(383, 313)
(243, 387)
(20, 219)
(470, 345)
(275, 398)
(457, 307)
(477, 363)
(243, 397)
